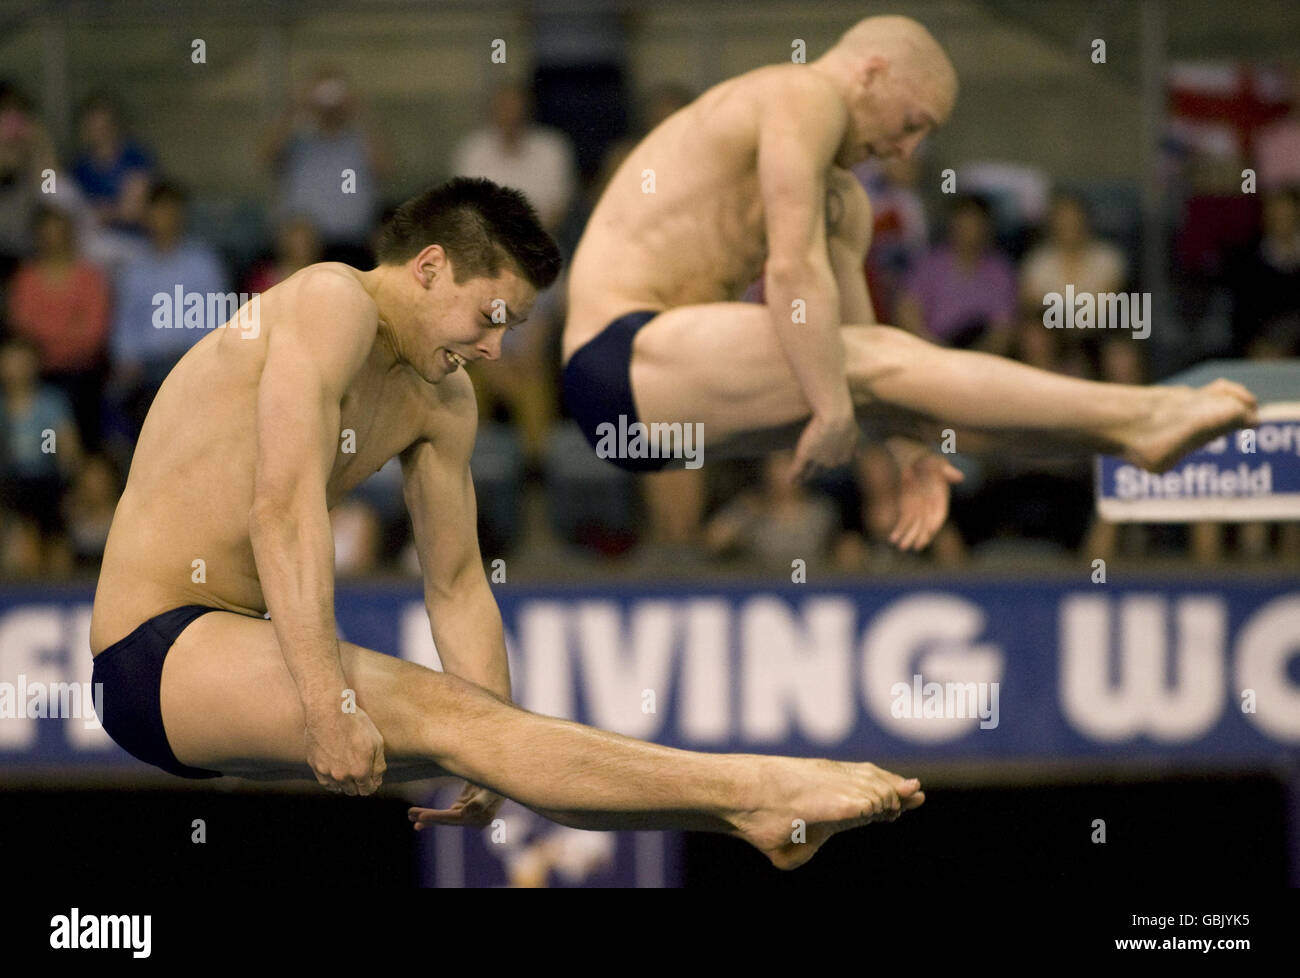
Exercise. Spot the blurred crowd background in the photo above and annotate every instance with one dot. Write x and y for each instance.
(130, 166)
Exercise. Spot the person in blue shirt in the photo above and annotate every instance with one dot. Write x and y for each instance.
(149, 335)
(323, 136)
(113, 171)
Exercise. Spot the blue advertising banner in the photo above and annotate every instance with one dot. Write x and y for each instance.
(1004, 669)
(1007, 669)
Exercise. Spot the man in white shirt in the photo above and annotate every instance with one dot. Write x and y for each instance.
(514, 152)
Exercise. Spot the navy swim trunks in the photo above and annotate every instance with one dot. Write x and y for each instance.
(131, 674)
(598, 385)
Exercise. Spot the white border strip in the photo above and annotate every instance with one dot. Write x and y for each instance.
(1279, 506)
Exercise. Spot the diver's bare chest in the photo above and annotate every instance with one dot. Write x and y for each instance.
(378, 419)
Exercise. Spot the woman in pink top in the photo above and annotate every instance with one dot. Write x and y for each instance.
(61, 302)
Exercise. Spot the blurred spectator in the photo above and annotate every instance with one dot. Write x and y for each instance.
(143, 350)
(39, 451)
(1264, 281)
(776, 523)
(590, 503)
(297, 245)
(1018, 193)
(60, 302)
(899, 230)
(1277, 145)
(520, 384)
(515, 152)
(1050, 501)
(113, 171)
(962, 293)
(321, 137)
(1265, 284)
(26, 152)
(1071, 256)
(1216, 219)
(89, 509)
(673, 536)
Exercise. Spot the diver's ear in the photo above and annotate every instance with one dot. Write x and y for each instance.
(871, 69)
(429, 263)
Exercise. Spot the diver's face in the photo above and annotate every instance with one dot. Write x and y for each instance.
(888, 117)
(465, 321)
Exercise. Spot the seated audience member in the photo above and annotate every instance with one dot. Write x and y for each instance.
(1277, 145)
(325, 135)
(26, 152)
(775, 523)
(89, 510)
(962, 293)
(1265, 284)
(39, 453)
(899, 232)
(1072, 257)
(297, 245)
(514, 151)
(113, 170)
(60, 302)
(149, 333)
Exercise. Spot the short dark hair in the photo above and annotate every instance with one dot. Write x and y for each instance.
(479, 224)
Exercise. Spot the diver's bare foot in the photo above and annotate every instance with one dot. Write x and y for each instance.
(1183, 419)
(803, 802)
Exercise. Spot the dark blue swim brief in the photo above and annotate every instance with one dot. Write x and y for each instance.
(130, 672)
(598, 387)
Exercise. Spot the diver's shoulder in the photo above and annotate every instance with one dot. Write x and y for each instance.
(331, 289)
(338, 278)
(800, 81)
